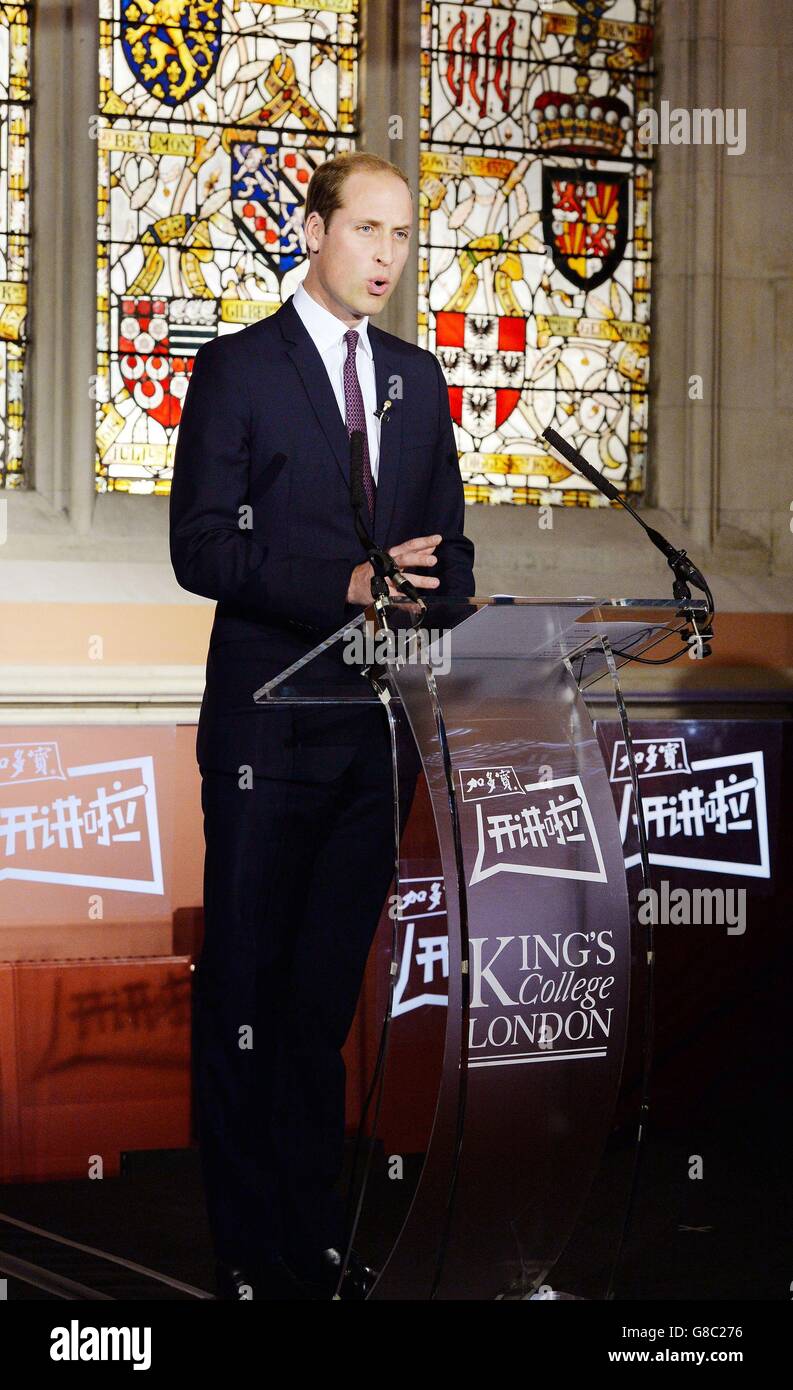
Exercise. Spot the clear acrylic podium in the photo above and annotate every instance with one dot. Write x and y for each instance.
(493, 694)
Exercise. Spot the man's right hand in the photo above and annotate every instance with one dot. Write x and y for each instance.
(419, 552)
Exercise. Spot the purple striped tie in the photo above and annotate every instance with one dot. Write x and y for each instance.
(356, 415)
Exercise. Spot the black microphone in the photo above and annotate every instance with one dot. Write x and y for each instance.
(683, 568)
(580, 464)
(382, 563)
(356, 471)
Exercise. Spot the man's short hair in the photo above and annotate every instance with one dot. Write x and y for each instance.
(327, 182)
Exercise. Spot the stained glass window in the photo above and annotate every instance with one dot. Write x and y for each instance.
(212, 118)
(14, 234)
(535, 239)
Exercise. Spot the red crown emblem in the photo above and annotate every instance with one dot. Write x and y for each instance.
(581, 124)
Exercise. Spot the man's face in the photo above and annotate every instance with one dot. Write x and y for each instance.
(362, 252)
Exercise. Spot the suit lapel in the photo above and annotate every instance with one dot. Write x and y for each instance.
(301, 349)
(386, 367)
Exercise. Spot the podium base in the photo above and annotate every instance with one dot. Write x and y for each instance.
(540, 1295)
(552, 1295)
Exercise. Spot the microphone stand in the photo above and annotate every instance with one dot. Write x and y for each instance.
(681, 565)
(383, 564)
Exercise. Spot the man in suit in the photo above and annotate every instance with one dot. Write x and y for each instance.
(298, 801)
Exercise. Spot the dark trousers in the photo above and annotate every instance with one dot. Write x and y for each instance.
(295, 877)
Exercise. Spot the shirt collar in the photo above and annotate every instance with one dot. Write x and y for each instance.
(325, 328)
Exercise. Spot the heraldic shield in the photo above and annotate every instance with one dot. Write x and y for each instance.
(483, 358)
(158, 339)
(171, 54)
(268, 193)
(585, 222)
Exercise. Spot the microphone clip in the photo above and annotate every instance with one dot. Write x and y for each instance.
(382, 414)
(696, 638)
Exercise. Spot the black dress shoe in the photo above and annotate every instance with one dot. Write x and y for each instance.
(359, 1278)
(271, 1280)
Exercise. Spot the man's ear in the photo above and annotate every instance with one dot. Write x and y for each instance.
(310, 230)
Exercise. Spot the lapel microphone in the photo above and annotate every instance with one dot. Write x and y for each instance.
(382, 414)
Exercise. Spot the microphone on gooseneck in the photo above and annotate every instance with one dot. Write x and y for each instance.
(681, 564)
(578, 462)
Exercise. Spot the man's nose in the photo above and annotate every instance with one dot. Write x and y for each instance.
(385, 253)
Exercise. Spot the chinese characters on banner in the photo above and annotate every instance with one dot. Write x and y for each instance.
(710, 795)
(86, 811)
(705, 790)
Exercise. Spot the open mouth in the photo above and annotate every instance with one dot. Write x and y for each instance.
(377, 287)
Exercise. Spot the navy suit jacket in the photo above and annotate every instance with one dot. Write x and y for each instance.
(261, 521)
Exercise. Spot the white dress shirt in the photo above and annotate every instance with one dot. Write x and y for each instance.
(328, 333)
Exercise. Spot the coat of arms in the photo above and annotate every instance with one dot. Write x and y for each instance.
(171, 46)
(585, 221)
(483, 359)
(158, 341)
(268, 192)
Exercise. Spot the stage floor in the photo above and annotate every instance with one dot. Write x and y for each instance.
(724, 1237)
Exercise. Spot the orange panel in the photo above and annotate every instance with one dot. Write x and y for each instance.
(102, 1057)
